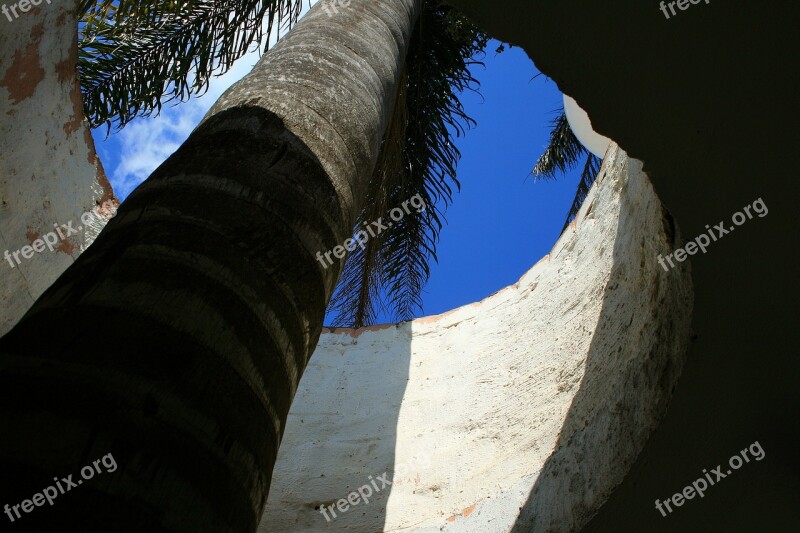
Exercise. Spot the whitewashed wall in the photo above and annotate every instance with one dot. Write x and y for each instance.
(532, 402)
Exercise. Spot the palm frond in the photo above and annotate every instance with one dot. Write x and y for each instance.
(357, 298)
(392, 272)
(562, 153)
(590, 170)
(134, 56)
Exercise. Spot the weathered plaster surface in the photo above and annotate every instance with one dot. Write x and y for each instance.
(551, 385)
(49, 170)
(707, 100)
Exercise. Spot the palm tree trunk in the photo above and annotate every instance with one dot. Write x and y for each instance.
(176, 342)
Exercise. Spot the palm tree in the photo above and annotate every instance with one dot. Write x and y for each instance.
(125, 77)
(128, 73)
(176, 342)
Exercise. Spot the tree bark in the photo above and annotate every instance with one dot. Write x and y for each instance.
(49, 170)
(176, 342)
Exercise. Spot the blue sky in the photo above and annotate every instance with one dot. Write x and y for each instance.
(501, 222)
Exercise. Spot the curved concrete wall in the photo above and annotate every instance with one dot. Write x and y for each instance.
(707, 99)
(544, 392)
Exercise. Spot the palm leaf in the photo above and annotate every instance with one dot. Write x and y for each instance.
(590, 170)
(418, 159)
(357, 298)
(134, 56)
(561, 155)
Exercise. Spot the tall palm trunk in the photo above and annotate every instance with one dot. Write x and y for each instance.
(176, 342)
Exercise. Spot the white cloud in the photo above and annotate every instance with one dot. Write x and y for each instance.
(146, 142)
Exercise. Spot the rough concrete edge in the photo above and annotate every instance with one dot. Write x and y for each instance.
(431, 320)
